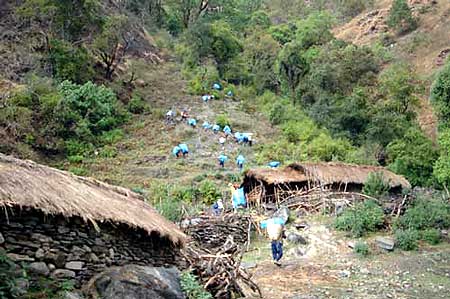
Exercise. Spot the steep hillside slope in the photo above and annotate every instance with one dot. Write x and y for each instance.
(426, 48)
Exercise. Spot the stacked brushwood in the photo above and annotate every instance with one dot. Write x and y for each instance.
(220, 271)
(212, 231)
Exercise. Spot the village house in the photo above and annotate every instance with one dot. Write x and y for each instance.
(264, 185)
(69, 227)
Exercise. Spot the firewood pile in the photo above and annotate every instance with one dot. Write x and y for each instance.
(220, 271)
(212, 231)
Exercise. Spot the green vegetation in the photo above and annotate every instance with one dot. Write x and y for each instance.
(192, 288)
(400, 17)
(361, 248)
(407, 239)
(361, 219)
(376, 185)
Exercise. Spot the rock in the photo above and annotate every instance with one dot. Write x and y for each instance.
(19, 258)
(63, 230)
(71, 295)
(296, 238)
(344, 274)
(136, 282)
(248, 265)
(22, 285)
(111, 253)
(74, 265)
(63, 274)
(39, 268)
(41, 238)
(2, 240)
(385, 243)
(351, 244)
(93, 258)
(40, 254)
(296, 252)
(283, 213)
(51, 267)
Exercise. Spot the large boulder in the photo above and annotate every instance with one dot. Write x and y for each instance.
(136, 282)
(282, 213)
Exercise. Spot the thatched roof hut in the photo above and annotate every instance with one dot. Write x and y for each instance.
(55, 192)
(340, 176)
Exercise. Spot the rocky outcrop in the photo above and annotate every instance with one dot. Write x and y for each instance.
(63, 249)
(136, 282)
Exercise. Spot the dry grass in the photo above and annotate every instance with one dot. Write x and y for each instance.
(27, 184)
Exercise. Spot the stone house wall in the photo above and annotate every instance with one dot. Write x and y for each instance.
(69, 248)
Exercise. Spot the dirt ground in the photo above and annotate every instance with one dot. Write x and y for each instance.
(327, 268)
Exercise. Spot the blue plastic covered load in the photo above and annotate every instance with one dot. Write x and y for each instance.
(239, 137)
(206, 125)
(240, 159)
(206, 98)
(192, 122)
(274, 164)
(275, 220)
(216, 128)
(227, 129)
(239, 198)
(184, 148)
(217, 86)
(223, 158)
(230, 93)
(176, 150)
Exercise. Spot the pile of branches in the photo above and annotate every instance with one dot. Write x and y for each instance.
(212, 231)
(220, 271)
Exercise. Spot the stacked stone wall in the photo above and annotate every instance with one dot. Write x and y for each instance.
(69, 248)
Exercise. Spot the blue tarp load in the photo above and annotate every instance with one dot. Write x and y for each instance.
(239, 198)
(192, 122)
(206, 125)
(216, 128)
(223, 158)
(240, 159)
(217, 86)
(184, 148)
(176, 150)
(227, 130)
(275, 220)
(274, 164)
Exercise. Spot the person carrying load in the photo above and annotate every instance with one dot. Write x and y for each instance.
(247, 138)
(184, 114)
(274, 164)
(192, 122)
(239, 137)
(216, 128)
(227, 130)
(206, 125)
(230, 94)
(240, 160)
(218, 207)
(222, 141)
(206, 98)
(222, 159)
(177, 151)
(275, 232)
(238, 199)
(170, 116)
(217, 86)
(184, 149)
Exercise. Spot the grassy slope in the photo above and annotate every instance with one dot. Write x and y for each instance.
(420, 47)
(144, 155)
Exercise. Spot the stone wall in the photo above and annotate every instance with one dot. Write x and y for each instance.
(72, 249)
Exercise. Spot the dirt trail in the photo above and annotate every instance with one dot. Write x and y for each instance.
(329, 269)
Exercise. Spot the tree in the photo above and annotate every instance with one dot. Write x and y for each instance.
(440, 95)
(291, 65)
(260, 54)
(112, 43)
(400, 17)
(400, 85)
(442, 165)
(188, 11)
(413, 156)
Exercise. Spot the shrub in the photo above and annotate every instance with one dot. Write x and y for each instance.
(361, 248)
(440, 95)
(8, 277)
(78, 171)
(222, 120)
(191, 288)
(376, 185)
(108, 151)
(209, 192)
(360, 219)
(137, 106)
(111, 137)
(426, 213)
(407, 239)
(431, 236)
(400, 17)
(170, 208)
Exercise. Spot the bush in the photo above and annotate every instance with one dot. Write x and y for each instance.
(407, 239)
(375, 185)
(431, 236)
(8, 277)
(400, 17)
(170, 208)
(78, 171)
(360, 219)
(209, 192)
(111, 137)
(137, 106)
(222, 120)
(426, 213)
(191, 288)
(361, 248)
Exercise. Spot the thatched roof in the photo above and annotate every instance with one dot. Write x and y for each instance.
(52, 191)
(325, 173)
